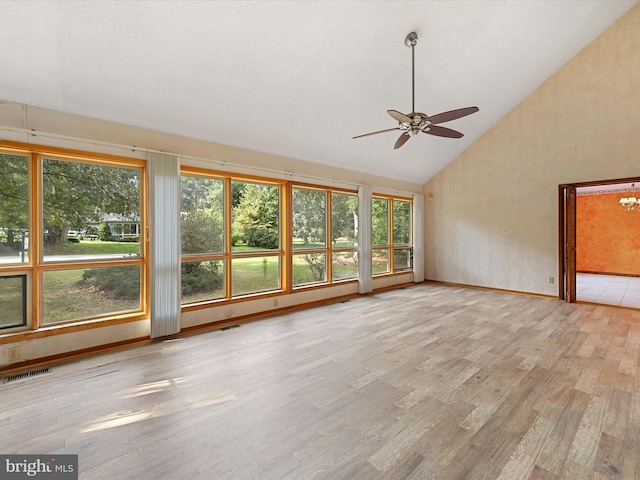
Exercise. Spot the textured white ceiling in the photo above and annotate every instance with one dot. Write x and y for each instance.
(298, 79)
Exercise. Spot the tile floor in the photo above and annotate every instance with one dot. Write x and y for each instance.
(608, 289)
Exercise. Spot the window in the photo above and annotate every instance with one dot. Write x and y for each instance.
(202, 240)
(255, 237)
(402, 235)
(309, 227)
(72, 228)
(13, 301)
(97, 271)
(83, 259)
(14, 209)
(391, 235)
(380, 235)
(344, 235)
(230, 237)
(92, 200)
(79, 293)
(324, 247)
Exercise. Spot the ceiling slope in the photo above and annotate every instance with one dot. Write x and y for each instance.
(296, 79)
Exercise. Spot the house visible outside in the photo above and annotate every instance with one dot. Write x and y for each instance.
(112, 227)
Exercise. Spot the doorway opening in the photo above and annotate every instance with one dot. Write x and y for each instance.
(599, 242)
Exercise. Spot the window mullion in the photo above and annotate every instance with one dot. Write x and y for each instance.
(328, 237)
(35, 239)
(228, 220)
(286, 240)
(390, 233)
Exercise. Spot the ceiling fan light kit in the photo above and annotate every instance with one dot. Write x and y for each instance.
(414, 123)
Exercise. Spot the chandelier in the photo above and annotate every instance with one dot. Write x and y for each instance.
(630, 202)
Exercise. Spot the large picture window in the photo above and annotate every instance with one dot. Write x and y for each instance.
(344, 236)
(86, 206)
(324, 231)
(202, 241)
(230, 236)
(83, 258)
(392, 234)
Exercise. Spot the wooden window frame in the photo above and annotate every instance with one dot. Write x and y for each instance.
(328, 249)
(391, 247)
(228, 255)
(36, 266)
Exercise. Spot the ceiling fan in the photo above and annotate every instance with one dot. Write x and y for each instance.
(411, 124)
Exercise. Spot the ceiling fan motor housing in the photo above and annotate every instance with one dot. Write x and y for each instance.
(420, 122)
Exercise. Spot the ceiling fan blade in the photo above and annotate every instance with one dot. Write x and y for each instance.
(401, 117)
(401, 140)
(443, 132)
(375, 133)
(452, 115)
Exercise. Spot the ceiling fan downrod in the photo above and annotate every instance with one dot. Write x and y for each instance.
(410, 41)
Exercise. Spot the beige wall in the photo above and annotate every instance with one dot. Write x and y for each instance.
(492, 220)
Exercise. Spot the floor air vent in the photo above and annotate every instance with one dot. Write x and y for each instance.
(229, 327)
(22, 376)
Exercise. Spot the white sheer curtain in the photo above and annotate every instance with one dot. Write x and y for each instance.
(365, 269)
(164, 262)
(418, 238)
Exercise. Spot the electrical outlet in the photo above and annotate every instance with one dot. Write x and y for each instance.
(552, 279)
(13, 353)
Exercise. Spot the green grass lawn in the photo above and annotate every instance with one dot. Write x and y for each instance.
(11, 304)
(67, 297)
(93, 247)
(255, 274)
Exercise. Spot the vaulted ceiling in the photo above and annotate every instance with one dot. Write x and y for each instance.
(297, 79)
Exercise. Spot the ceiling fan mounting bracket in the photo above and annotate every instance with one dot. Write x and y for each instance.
(411, 40)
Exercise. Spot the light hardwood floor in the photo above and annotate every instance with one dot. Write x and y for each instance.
(426, 382)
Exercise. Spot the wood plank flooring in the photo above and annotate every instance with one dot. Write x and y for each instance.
(427, 382)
